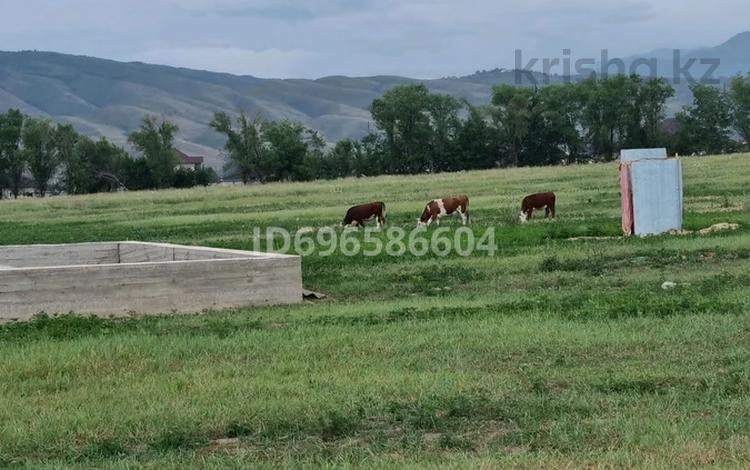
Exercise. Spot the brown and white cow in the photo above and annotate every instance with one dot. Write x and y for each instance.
(358, 215)
(544, 201)
(439, 208)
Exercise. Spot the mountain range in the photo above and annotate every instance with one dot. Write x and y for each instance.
(107, 98)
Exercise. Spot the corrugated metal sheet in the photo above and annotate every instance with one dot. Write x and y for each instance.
(630, 155)
(657, 195)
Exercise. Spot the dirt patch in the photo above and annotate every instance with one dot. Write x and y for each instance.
(721, 227)
(222, 446)
(492, 431)
(487, 434)
(431, 437)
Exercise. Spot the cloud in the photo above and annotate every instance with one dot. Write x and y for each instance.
(285, 10)
(313, 38)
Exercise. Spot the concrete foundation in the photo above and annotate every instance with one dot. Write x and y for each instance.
(123, 278)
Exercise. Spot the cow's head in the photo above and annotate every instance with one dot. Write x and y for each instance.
(424, 220)
(523, 217)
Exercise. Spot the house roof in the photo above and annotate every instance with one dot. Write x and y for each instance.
(186, 159)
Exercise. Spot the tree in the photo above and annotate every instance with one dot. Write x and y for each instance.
(184, 178)
(445, 124)
(538, 126)
(137, 175)
(652, 102)
(12, 159)
(39, 145)
(95, 166)
(340, 161)
(65, 139)
(402, 114)
(205, 176)
(476, 143)
(739, 93)
(554, 135)
(155, 141)
(244, 146)
(704, 125)
(512, 116)
(606, 111)
(371, 156)
(294, 151)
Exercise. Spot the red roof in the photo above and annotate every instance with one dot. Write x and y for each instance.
(186, 159)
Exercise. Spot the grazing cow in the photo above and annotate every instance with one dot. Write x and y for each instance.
(538, 201)
(358, 215)
(439, 208)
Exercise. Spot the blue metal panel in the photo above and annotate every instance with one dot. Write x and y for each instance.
(657, 196)
(642, 154)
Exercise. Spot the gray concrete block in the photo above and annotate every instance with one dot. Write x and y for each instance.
(116, 279)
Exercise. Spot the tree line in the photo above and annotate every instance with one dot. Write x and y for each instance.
(417, 131)
(34, 152)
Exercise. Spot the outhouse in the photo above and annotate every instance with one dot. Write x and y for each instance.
(650, 192)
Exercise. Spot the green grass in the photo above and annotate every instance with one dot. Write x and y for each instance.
(553, 353)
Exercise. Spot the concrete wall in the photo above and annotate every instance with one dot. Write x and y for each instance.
(58, 255)
(145, 281)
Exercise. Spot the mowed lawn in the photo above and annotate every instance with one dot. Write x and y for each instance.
(555, 352)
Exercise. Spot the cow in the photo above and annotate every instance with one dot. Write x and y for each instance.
(358, 215)
(439, 208)
(537, 201)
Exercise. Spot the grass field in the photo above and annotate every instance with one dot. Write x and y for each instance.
(553, 353)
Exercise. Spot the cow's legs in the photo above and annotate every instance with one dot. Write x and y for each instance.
(464, 217)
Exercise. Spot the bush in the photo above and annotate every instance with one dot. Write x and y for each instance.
(184, 178)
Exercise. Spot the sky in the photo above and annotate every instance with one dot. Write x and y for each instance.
(316, 38)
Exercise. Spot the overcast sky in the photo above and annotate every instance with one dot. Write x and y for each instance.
(315, 38)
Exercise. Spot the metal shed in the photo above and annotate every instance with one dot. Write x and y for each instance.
(651, 192)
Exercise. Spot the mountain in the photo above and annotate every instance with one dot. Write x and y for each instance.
(733, 58)
(107, 98)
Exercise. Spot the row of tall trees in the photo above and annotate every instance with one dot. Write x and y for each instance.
(40, 151)
(262, 151)
(419, 131)
(591, 119)
(716, 120)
